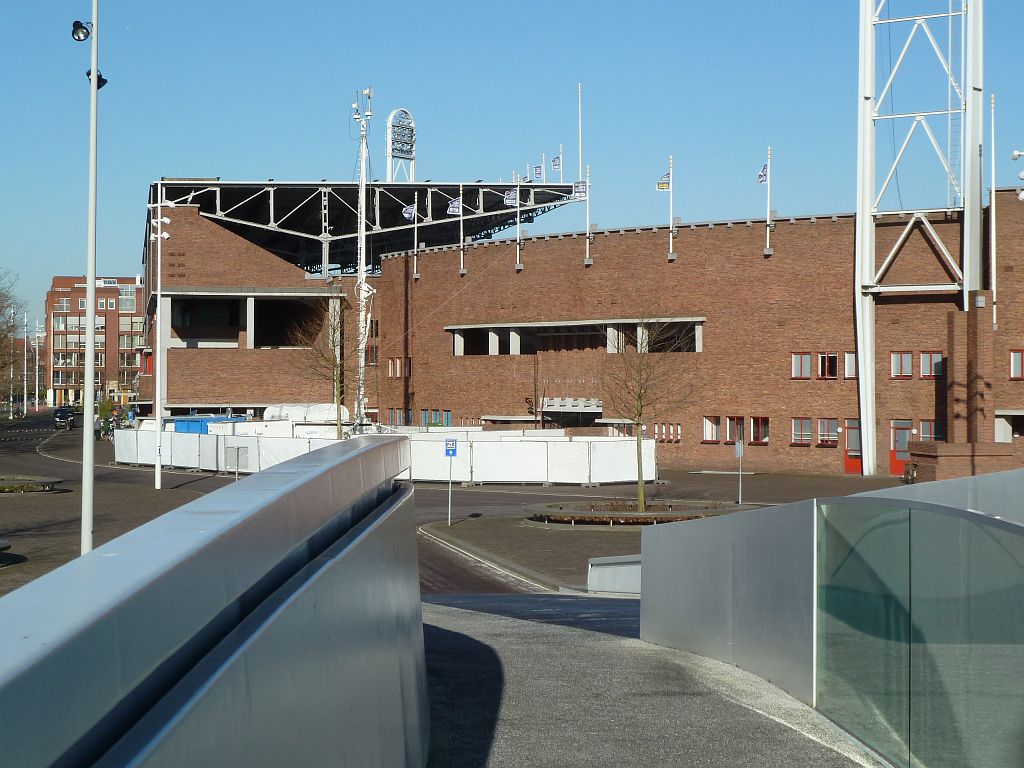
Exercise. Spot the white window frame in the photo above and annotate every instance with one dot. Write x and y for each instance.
(850, 365)
(712, 429)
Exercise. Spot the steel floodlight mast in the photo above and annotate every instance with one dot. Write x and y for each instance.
(960, 161)
(400, 144)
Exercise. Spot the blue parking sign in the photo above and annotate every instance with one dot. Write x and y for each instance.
(450, 448)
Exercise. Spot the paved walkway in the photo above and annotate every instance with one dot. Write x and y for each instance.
(554, 680)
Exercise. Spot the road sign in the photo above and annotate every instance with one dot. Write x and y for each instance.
(451, 448)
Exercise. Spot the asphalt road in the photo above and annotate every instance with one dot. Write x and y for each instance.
(45, 529)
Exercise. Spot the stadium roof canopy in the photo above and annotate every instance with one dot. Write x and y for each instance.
(314, 225)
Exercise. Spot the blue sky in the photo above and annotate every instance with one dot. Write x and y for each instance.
(209, 89)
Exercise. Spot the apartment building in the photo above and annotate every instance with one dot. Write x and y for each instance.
(120, 338)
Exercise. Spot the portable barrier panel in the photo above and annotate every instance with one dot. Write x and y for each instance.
(275, 450)
(430, 463)
(508, 462)
(568, 462)
(126, 446)
(185, 450)
(249, 459)
(209, 452)
(615, 462)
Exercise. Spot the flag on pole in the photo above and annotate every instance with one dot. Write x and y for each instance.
(579, 190)
(556, 163)
(409, 212)
(455, 206)
(511, 198)
(762, 176)
(665, 182)
(538, 171)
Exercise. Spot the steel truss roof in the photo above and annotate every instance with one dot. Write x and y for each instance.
(314, 225)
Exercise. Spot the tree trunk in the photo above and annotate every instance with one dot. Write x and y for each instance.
(641, 502)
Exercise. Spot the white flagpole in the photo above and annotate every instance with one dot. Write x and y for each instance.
(768, 221)
(519, 239)
(561, 162)
(462, 236)
(671, 182)
(586, 260)
(24, 370)
(579, 121)
(992, 214)
(415, 233)
(543, 168)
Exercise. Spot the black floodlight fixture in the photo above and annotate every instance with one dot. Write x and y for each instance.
(100, 79)
(80, 32)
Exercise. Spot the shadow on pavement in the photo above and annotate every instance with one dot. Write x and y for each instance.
(610, 616)
(465, 681)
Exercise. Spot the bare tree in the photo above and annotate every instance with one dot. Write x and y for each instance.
(321, 335)
(641, 380)
(11, 308)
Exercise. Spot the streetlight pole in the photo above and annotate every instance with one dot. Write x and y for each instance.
(362, 289)
(81, 32)
(158, 363)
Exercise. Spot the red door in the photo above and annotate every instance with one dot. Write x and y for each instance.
(852, 463)
(899, 447)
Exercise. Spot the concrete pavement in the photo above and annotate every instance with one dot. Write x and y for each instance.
(555, 680)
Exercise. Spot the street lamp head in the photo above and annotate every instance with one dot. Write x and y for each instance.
(100, 79)
(1016, 154)
(79, 31)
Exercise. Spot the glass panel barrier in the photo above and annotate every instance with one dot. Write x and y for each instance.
(967, 658)
(863, 667)
(921, 632)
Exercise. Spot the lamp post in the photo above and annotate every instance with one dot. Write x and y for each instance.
(81, 31)
(361, 114)
(158, 368)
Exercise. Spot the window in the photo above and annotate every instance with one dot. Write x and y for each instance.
(60, 322)
(81, 303)
(424, 418)
(435, 417)
(712, 429)
(759, 430)
(101, 360)
(801, 431)
(828, 365)
(850, 365)
(801, 365)
(447, 420)
(111, 303)
(371, 354)
(1016, 363)
(932, 430)
(374, 328)
(902, 365)
(127, 296)
(931, 365)
(391, 375)
(101, 304)
(62, 305)
(733, 429)
(828, 432)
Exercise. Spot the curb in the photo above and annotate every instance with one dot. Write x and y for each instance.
(491, 561)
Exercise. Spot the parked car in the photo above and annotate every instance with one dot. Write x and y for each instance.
(64, 417)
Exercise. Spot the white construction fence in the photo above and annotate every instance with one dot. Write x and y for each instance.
(513, 456)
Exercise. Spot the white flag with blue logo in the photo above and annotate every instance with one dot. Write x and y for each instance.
(511, 198)
(538, 171)
(455, 206)
(762, 176)
(556, 163)
(409, 212)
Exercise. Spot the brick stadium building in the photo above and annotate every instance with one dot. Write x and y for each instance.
(461, 335)
(120, 337)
